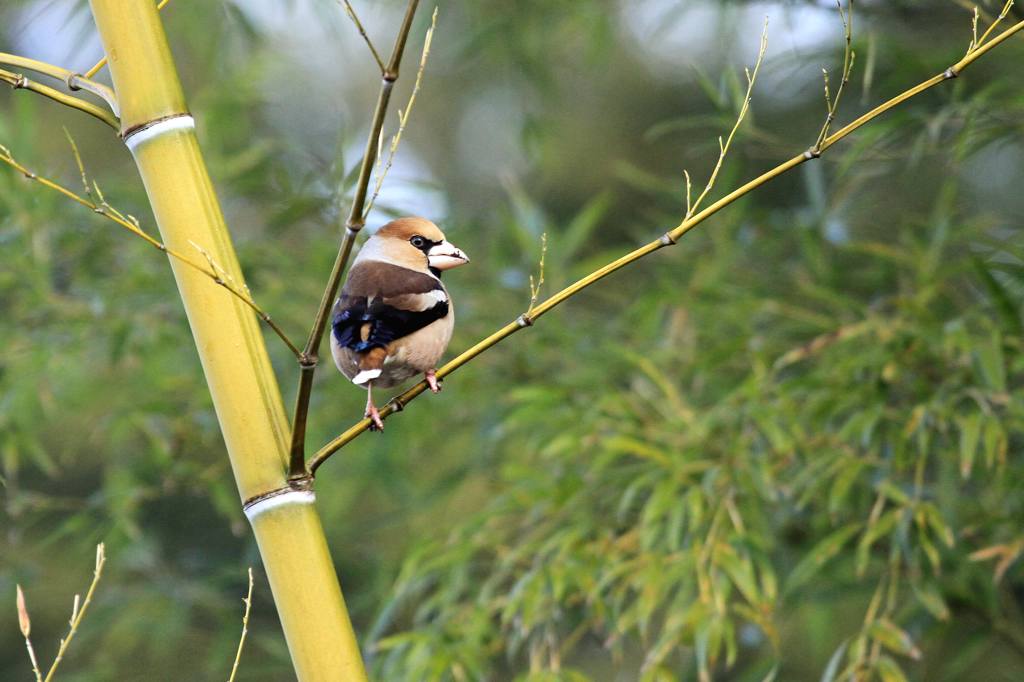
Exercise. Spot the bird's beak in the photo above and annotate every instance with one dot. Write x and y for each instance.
(445, 256)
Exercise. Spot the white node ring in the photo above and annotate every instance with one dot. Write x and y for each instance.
(167, 125)
(282, 500)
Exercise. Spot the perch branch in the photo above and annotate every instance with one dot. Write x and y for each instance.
(399, 402)
(100, 206)
(21, 82)
(310, 355)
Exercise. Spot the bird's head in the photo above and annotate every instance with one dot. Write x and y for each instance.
(419, 244)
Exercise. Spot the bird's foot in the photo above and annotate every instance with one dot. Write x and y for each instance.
(432, 381)
(373, 414)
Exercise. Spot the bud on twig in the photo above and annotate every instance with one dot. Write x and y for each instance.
(23, 620)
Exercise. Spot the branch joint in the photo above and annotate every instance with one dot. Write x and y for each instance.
(813, 153)
(951, 72)
(524, 321)
(667, 239)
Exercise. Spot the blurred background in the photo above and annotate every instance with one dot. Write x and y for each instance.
(789, 446)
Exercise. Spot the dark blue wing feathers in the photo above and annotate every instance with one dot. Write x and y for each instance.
(387, 323)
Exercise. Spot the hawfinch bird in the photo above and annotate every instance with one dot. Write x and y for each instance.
(394, 318)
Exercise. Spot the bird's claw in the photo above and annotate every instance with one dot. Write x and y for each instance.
(373, 414)
(432, 381)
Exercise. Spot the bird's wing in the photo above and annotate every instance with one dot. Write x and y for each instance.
(382, 302)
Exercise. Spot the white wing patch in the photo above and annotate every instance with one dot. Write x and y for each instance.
(438, 296)
(366, 375)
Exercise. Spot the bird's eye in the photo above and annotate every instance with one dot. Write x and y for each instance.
(418, 241)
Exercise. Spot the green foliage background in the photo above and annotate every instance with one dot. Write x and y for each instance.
(790, 444)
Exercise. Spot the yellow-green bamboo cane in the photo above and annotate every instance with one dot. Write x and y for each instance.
(160, 133)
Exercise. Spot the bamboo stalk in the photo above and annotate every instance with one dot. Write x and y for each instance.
(158, 130)
(398, 403)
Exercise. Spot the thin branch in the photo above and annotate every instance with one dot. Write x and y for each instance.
(78, 612)
(403, 117)
(723, 149)
(978, 42)
(849, 56)
(535, 287)
(103, 61)
(309, 358)
(362, 31)
(21, 82)
(73, 81)
(400, 401)
(130, 223)
(245, 629)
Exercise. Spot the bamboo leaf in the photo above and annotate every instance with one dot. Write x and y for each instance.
(820, 555)
(832, 669)
(889, 670)
(970, 429)
(930, 597)
(885, 524)
(991, 364)
(894, 638)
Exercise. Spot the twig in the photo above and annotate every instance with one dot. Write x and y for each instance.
(362, 31)
(723, 148)
(130, 223)
(978, 42)
(535, 288)
(73, 81)
(403, 116)
(399, 402)
(103, 61)
(25, 625)
(245, 629)
(21, 82)
(849, 56)
(309, 358)
(77, 614)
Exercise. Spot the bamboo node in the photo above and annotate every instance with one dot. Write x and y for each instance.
(812, 153)
(300, 482)
(667, 239)
(298, 491)
(165, 124)
(72, 81)
(524, 321)
(390, 76)
(951, 72)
